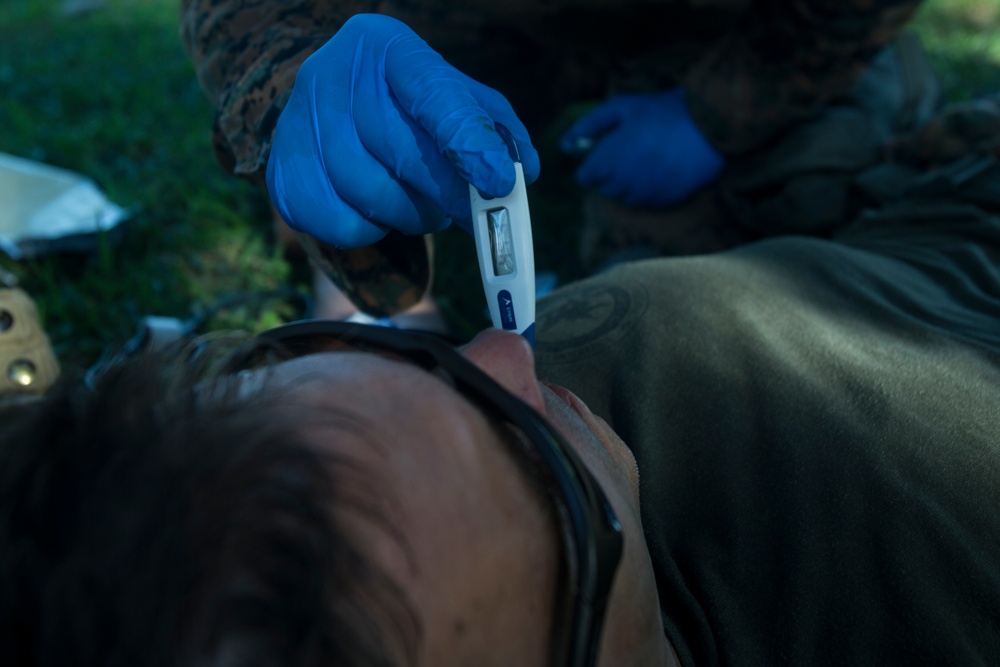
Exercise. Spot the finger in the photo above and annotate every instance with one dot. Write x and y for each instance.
(358, 177)
(408, 153)
(594, 124)
(309, 204)
(377, 194)
(499, 109)
(327, 185)
(432, 93)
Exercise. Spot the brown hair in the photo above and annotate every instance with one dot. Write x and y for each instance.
(163, 517)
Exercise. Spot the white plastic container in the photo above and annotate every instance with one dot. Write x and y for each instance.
(45, 209)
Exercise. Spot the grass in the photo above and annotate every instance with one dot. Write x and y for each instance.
(962, 38)
(111, 94)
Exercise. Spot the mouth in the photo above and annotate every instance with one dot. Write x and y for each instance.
(619, 456)
(569, 398)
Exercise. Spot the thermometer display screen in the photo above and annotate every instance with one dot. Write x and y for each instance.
(501, 242)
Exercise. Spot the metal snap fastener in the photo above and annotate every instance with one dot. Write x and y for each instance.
(22, 372)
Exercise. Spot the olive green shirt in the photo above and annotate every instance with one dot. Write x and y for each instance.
(817, 429)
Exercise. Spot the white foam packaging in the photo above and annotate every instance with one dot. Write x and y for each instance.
(46, 209)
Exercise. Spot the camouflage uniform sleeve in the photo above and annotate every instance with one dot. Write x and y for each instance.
(784, 62)
(247, 53)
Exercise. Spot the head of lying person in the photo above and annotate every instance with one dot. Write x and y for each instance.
(341, 500)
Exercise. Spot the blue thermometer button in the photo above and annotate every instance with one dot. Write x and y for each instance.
(506, 302)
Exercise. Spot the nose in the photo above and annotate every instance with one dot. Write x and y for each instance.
(507, 358)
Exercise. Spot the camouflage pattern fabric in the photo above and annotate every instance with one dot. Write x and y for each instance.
(752, 68)
(961, 129)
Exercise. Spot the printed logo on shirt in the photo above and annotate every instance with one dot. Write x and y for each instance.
(584, 320)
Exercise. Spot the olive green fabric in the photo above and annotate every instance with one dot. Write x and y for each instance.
(817, 427)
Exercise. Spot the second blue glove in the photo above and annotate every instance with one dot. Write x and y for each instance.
(647, 151)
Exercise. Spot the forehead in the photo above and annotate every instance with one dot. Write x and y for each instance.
(458, 526)
(392, 397)
(413, 412)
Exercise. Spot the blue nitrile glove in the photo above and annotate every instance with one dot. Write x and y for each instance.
(646, 151)
(380, 133)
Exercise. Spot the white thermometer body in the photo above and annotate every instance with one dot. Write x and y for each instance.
(502, 228)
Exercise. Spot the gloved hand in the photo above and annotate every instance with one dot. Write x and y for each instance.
(381, 133)
(646, 152)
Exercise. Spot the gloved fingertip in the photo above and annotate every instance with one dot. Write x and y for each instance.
(359, 236)
(575, 144)
(497, 182)
(528, 156)
(532, 167)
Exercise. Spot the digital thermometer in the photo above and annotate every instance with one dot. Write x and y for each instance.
(502, 228)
